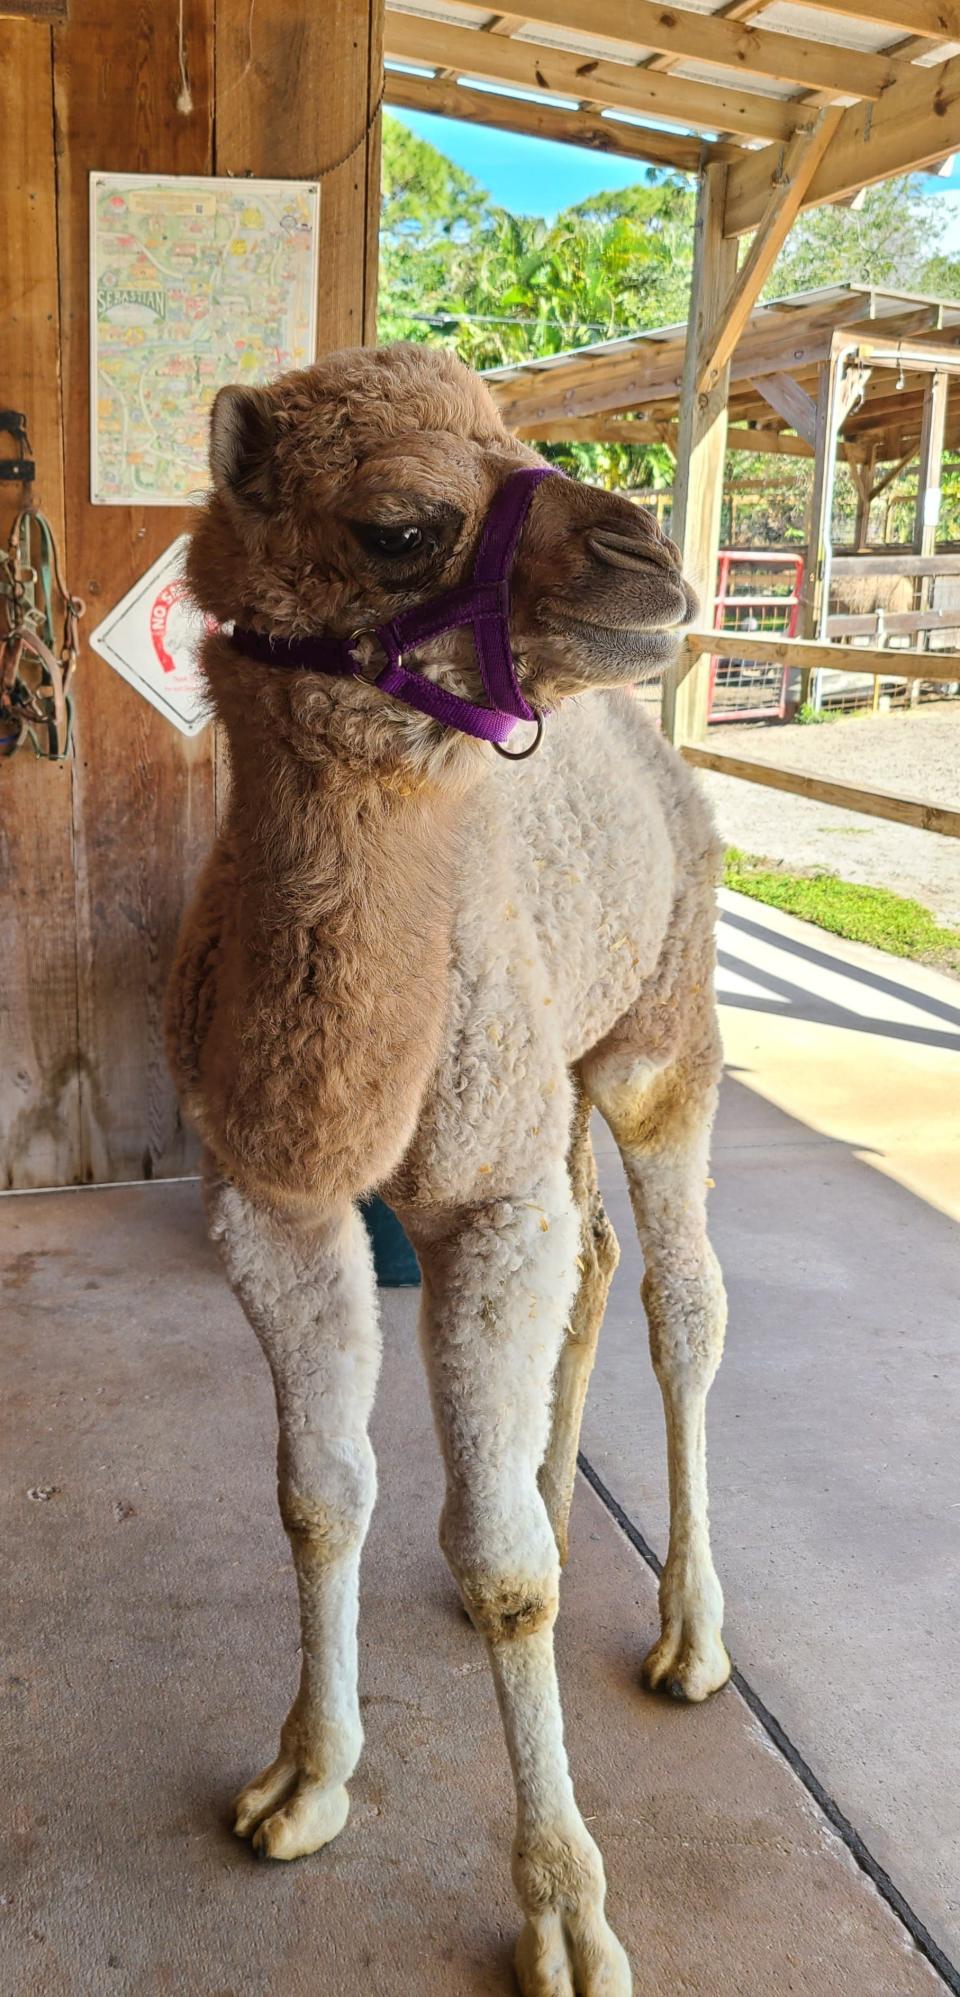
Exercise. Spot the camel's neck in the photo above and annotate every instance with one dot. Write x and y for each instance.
(344, 890)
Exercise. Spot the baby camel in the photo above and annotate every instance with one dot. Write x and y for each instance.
(413, 967)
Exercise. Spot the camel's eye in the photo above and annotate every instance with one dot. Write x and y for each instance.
(394, 543)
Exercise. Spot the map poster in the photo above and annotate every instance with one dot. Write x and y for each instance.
(151, 637)
(193, 283)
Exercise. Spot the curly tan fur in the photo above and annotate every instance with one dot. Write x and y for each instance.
(411, 966)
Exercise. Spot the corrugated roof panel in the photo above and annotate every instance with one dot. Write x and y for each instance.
(817, 24)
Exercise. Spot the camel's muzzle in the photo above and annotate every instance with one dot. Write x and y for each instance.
(483, 603)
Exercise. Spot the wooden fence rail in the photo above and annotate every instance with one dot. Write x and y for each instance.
(875, 660)
(825, 790)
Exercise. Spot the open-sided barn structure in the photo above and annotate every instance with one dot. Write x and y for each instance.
(772, 106)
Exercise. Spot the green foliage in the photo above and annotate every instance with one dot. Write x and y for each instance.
(891, 239)
(497, 287)
(861, 914)
(808, 716)
(459, 271)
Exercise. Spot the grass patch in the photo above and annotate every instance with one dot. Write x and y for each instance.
(860, 914)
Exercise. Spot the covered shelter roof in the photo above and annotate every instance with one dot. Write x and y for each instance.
(629, 389)
(694, 85)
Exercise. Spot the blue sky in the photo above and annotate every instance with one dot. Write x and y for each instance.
(538, 177)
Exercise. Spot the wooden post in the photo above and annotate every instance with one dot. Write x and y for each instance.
(39, 1061)
(701, 446)
(927, 516)
(863, 475)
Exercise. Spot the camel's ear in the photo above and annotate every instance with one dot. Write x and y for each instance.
(242, 444)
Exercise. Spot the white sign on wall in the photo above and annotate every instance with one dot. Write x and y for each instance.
(151, 638)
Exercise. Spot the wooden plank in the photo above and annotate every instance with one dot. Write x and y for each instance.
(531, 66)
(897, 623)
(698, 486)
(915, 124)
(824, 790)
(905, 564)
(929, 470)
(34, 10)
(40, 1143)
(767, 647)
(327, 60)
(686, 36)
(549, 121)
(144, 793)
(651, 371)
(792, 403)
(613, 430)
(929, 477)
(800, 163)
(936, 20)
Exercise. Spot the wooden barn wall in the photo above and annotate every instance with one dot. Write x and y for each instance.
(97, 858)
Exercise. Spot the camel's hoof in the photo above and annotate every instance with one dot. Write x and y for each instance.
(685, 1667)
(287, 1814)
(571, 1956)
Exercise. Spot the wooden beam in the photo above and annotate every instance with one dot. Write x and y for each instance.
(550, 121)
(791, 402)
(936, 20)
(915, 124)
(612, 430)
(601, 430)
(689, 37)
(824, 790)
(530, 66)
(701, 449)
(901, 564)
(810, 653)
(800, 164)
(929, 474)
(40, 1133)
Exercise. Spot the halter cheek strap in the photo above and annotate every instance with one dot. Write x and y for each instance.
(483, 603)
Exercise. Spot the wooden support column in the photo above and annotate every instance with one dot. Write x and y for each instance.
(863, 475)
(39, 1057)
(927, 517)
(701, 446)
(803, 157)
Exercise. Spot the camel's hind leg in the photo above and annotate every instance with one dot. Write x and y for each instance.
(597, 1258)
(661, 1119)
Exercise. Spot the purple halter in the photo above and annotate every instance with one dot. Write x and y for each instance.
(483, 602)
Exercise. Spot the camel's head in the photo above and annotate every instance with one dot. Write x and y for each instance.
(355, 489)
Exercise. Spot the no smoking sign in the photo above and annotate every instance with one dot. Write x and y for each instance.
(151, 638)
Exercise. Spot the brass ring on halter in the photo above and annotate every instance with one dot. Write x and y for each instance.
(522, 754)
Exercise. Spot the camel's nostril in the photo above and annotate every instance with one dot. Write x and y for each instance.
(631, 551)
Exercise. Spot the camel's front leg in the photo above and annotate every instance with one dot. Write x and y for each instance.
(306, 1284)
(498, 1283)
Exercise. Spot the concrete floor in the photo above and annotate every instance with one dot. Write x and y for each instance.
(152, 1617)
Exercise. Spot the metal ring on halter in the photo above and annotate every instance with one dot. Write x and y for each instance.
(521, 754)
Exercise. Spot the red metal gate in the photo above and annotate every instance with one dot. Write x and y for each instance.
(746, 689)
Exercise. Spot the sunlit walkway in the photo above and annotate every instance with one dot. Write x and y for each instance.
(153, 1611)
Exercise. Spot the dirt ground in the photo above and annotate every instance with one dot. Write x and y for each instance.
(916, 752)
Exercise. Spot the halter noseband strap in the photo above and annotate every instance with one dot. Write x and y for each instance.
(483, 603)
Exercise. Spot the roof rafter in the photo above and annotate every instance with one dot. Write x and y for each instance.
(550, 121)
(916, 123)
(686, 36)
(937, 20)
(618, 85)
